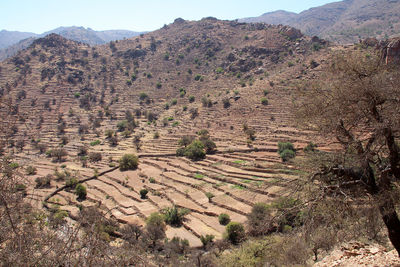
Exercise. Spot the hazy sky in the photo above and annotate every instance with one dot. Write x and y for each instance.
(145, 15)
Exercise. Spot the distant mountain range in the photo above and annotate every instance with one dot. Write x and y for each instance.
(342, 22)
(13, 41)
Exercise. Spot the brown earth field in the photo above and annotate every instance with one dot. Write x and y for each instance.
(67, 95)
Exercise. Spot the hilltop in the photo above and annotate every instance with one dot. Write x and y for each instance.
(342, 22)
(13, 41)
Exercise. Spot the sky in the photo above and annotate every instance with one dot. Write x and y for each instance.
(39, 16)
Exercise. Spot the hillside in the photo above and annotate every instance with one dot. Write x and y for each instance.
(216, 75)
(12, 42)
(342, 22)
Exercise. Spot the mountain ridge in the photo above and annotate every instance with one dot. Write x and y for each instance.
(13, 41)
(342, 22)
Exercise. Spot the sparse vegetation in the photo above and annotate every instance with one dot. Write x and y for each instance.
(286, 151)
(128, 162)
(224, 219)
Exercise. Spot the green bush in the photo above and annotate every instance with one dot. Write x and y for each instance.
(195, 151)
(43, 182)
(286, 151)
(80, 191)
(158, 85)
(205, 240)
(311, 147)
(128, 162)
(235, 232)
(224, 219)
(30, 170)
(191, 99)
(287, 154)
(209, 195)
(95, 143)
(264, 101)
(174, 216)
(143, 96)
(143, 193)
(155, 227)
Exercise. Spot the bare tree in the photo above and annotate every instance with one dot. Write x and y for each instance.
(358, 103)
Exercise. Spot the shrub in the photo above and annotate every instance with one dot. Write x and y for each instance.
(209, 195)
(174, 101)
(143, 96)
(195, 151)
(197, 77)
(286, 151)
(264, 101)
(224, 219)
(30, 170)
(235, 232)
(155, 227)
(311, 147)
(156, 135)
(95, 156)
(80, 191)
(287, 154)
(226, 102)
(206, 240)
(266, 92)
(128, 162)
(191, 98)
(258, 219)
(58, 154)
(173, 215)
(143, 193)
(71, 182)
(43, 182)
(95, 143)
(158, 85)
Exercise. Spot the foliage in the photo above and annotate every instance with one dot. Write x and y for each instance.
(259, 219)
(286, 151)
(235, 232)
(30, 170)
(155, 227)
(224, 219)
(195, 151)
(264, 101)
(174, 215)
(206, 240)
(128, 162)
(80, 191)
(143, 193)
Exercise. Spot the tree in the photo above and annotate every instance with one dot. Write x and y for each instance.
(155, 227)
(80, 191)
(235, 232)
(259, 219)
(128, 162)
(357, 102)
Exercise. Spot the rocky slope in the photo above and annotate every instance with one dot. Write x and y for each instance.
(343, 22)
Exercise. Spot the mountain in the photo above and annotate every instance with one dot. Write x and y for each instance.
(151, 90)
(343, 22)
(8, 38)
(12, 42)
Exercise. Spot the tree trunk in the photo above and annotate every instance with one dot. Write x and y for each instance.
(392, 222)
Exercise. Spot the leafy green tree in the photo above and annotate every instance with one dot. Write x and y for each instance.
(235, 232)
(128, 162)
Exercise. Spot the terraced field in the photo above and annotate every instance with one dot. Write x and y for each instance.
(49, 82)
